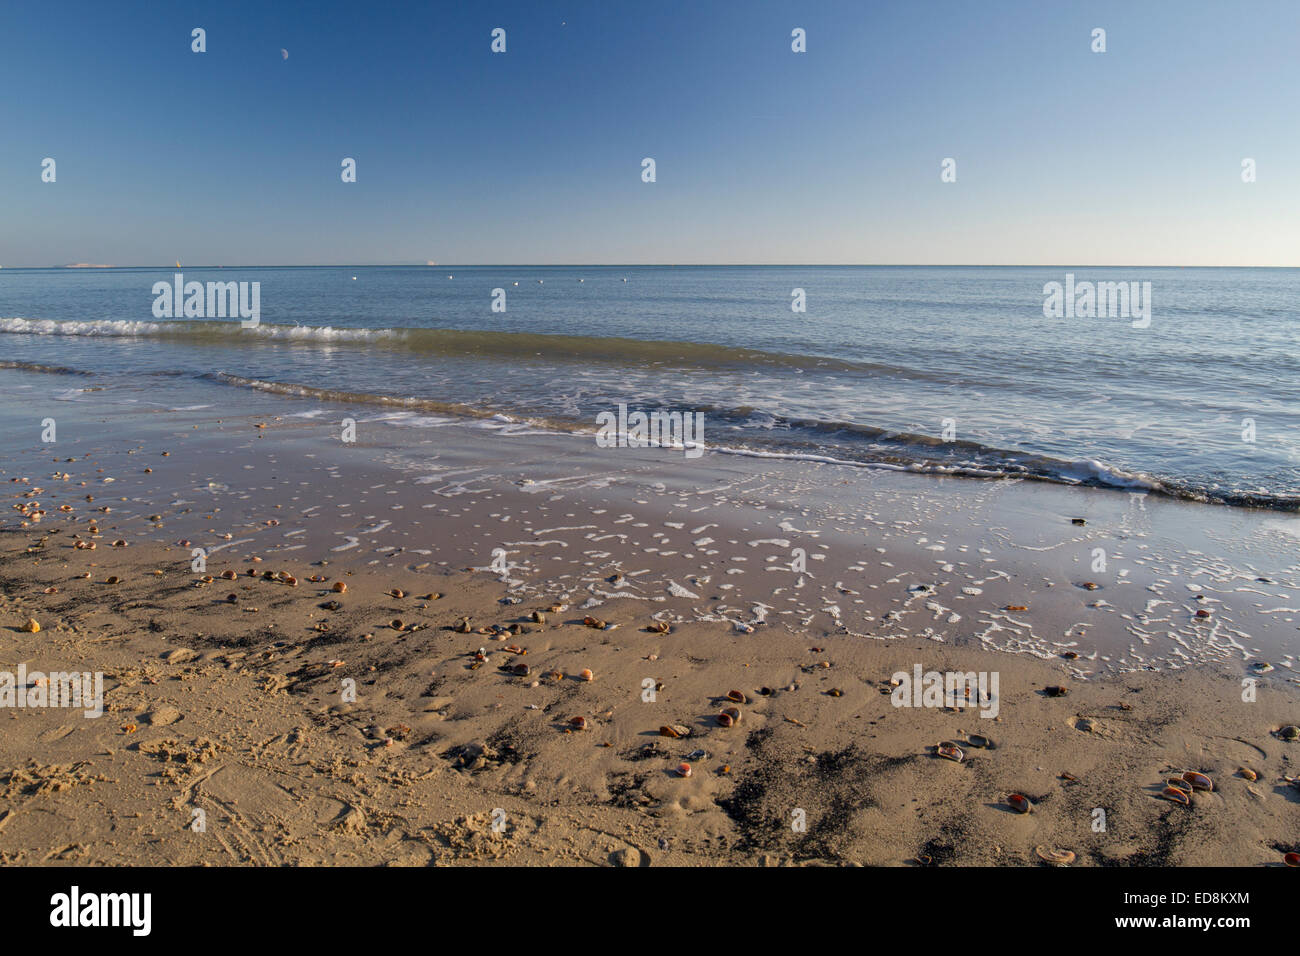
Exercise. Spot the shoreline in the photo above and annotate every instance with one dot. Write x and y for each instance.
(240, 713)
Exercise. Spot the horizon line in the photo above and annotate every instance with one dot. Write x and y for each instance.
(648, 265)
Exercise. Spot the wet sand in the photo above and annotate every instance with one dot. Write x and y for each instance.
(801, 585)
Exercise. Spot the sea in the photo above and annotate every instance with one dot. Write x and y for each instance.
(949, 370)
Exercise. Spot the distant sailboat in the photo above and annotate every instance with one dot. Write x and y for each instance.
(178, 263)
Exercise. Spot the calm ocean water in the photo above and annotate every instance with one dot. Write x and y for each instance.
(884, 360)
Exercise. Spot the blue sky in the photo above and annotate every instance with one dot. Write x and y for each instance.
(1064, 156)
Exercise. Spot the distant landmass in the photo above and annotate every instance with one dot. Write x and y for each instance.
(86, 265)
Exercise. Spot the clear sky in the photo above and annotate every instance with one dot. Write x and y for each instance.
(763, 155)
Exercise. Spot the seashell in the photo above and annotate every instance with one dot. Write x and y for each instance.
(950, 751)
(119, 543)
(1090, 585)
(676, 731)
(112, 579)
(1070, 656)
(232, 598)
(737, 696)
(397, 593)
(659, 627)
(520, 670)
(396, 624)
(683, 769)
(339, 587)
(1291, 859)
(51, 590)
(586, 674)
(1055, 857)
(229, 575)
(31, 626)
(733, 712)
(1289, 732)
(1261, 667)
(555, 676)
(1078, 521)
(316, 579)
(1178, 783)
(1176, 795)
(835, 692)
(578, 723)
(726, 720)
(463, 626)
(538, 617)
(1055, 691)
(1020, 803)
(1202, 612)
(1199, 781)
(594, 622)
(979, 740)
(290, 580)
(1248, 773)
(515, 649)
(1016, 607)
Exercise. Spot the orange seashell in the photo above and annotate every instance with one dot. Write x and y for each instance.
(1291, 859)
(397, 593)
(1020, 803)
(951, 752)
(737, 696)
(1199, 781)
(725, 720)
(229, 575)
(586, 675)
(339, 587)
(578, 723)
(1176, 795)
(683, 769)
(1053, 856)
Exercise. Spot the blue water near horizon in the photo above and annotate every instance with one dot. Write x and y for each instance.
(886, 363)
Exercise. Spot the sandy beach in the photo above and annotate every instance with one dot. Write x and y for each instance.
(484, 647)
